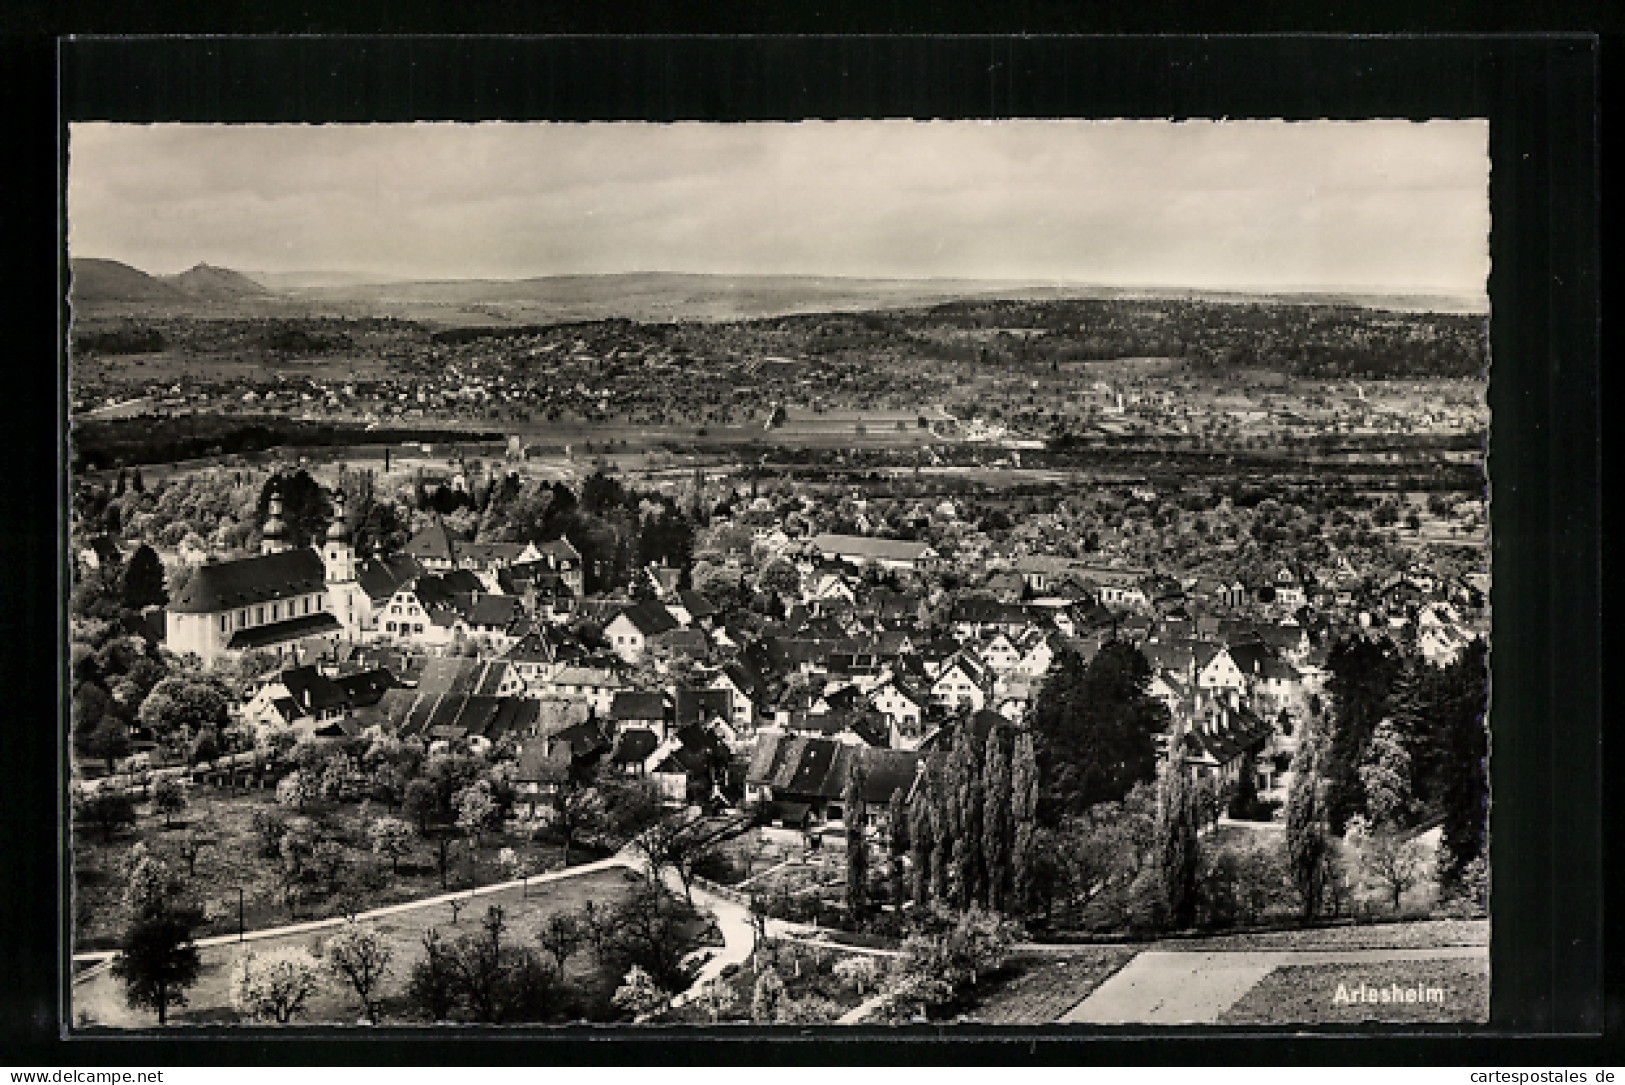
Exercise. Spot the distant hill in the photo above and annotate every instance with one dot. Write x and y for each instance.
(108, 280)
(208, 283)
(667, 296)
(647, 297)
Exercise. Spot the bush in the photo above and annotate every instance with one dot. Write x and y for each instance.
(1261, 883)
(1218, 889)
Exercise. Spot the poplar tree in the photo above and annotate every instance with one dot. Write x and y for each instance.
(941, 830)
(1178, 850)
(897, 843)
(920, 841)
(857, 851)
(1308, 847)
(997, 820)
(968, 882)
(1385, 774)
(1024, 816)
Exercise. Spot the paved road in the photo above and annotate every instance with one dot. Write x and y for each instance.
(1161, 987)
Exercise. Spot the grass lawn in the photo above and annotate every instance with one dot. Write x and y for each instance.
(1308, 994)
(1423, 934)
(232, 860)
(1037, 988)
(210, 1001)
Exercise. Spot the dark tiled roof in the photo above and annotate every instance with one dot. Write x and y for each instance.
(887, 771)
(313, 690)
(496, 611)
(770, 750)
(638, 705)
(697, 605)
(486, 554)
(695, 705)
(231, 585)
(306, 625)
(382, 579)
(367, 687)
(492, 674)
(559, 549)
(633, 745)
(479, 713)
(583, 738)
(650, 618)
(432, 542)
(687, 641)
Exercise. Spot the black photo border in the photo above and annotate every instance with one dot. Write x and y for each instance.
(1540, 95)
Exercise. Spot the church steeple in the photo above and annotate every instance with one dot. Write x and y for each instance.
(337, 554)
(274, 536)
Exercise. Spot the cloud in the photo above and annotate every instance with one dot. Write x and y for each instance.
(1194, 203)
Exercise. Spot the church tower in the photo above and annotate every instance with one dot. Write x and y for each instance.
(274, 536)
(337, 553)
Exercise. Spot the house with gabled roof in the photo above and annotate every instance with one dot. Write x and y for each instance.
(432, 547)
(963, 681)
(692, 608)
(998, 650)
(533, 654)
(744, 688)
(1219, 741)
(632, 629)
(681, 643)
(801, 779)
(651, 710)
(904, 703)
(690, 766)
(541, 774)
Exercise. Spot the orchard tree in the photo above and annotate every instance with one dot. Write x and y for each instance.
(360, 956)
(158, 960)
(182, 705)
(109, 741)
(275, 985)
(168, 799)
(477, 811)
(391, 838)
(561, 935)
(108, 810)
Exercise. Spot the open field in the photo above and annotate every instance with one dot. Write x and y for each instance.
(100, 1001)
(1037, 988)
(1422, 934)
(1308, 994)
(231, 861)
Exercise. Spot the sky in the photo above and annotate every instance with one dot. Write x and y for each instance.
(1389, 205)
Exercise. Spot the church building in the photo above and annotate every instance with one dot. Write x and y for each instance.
(285, 600)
